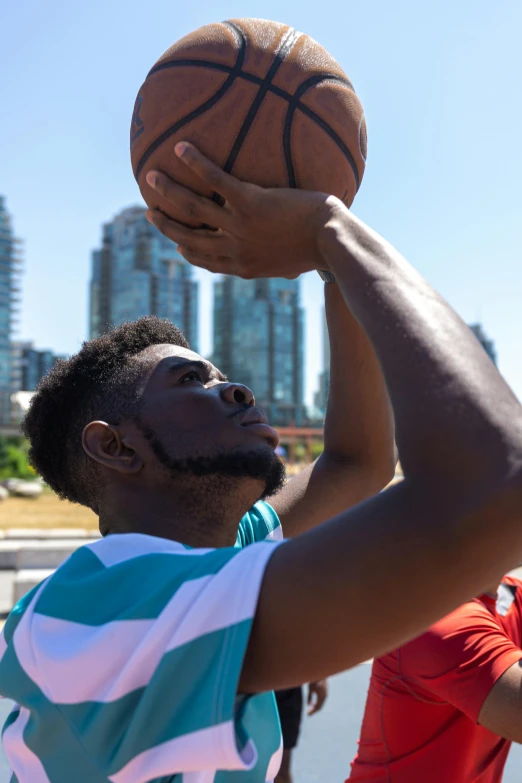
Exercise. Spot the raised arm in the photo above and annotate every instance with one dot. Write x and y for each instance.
(501, 712)
(453, 526)
(359, 451)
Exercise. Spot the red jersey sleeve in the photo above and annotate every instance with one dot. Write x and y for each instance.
(460, 658)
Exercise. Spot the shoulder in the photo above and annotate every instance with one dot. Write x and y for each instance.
(17, 612)
(444, 645)
(261, 523)
(134, 577)
(473, 614)
(514, 584)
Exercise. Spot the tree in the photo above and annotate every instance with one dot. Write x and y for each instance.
(13, 459)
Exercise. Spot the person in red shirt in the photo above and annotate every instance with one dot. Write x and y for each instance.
(445, 707)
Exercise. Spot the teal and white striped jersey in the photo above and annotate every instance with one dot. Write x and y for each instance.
(124, 665)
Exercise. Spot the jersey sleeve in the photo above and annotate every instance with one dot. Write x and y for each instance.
(460, 658)
(141, 654)
(261, 523)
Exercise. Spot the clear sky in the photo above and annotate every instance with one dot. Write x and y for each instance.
(441, 86)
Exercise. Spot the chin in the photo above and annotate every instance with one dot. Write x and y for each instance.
(261, 464)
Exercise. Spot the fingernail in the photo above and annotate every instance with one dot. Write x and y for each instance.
(180, 149)
(151, 179)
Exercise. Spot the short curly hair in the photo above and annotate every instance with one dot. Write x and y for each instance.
(99, 382)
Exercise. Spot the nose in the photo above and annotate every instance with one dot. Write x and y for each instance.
(237, 393)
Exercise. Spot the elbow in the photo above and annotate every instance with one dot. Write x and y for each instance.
(374, 472)
(381, 469)
(383, 474)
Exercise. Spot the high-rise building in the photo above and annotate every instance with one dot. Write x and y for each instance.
(10, 270)
(321, 396)
(485, 341)
(29, 365)
(138, 271)
(259, 341)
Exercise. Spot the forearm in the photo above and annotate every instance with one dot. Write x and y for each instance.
(454, 414)
(359, 451)
(358, 426)
(446, 532)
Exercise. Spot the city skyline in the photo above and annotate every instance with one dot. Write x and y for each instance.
(29, 364)
(10, 264)
(438, 84)
(259, 341)
(258, 324)
(137, 271)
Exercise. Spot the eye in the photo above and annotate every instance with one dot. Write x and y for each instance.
(192, 375)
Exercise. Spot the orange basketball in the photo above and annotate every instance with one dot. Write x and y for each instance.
(267, 103)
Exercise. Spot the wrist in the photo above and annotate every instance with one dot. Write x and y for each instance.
(345, 238)
(324, 220)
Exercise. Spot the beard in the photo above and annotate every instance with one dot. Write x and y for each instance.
(261, 464)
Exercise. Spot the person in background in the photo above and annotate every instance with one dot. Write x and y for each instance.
(290, 708)
(446, 706)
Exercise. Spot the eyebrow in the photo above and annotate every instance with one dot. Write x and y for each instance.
(212, 371)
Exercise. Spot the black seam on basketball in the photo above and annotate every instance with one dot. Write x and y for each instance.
(249, 77)
(337, 139)
(201, 109)
(137, 135)
(295, 103)
(265, 86)
(191, 63)
(286, 46)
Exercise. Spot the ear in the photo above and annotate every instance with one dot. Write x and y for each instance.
(105, 444)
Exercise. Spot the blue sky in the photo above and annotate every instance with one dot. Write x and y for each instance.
(440, 83)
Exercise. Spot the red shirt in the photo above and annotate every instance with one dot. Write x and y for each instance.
(420, 723)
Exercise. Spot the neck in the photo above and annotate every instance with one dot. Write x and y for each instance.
(200, 512)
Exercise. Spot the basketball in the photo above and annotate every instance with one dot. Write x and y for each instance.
(265, 102)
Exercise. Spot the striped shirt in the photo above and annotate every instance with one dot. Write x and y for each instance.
(124, 665)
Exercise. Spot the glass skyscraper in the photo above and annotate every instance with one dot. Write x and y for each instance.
(29, 365)
(136, 272)
(10, 266)
(321, 396)
(485, 341)
(259, 341)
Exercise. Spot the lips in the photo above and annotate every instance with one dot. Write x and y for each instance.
(255, 420)
(252, 416)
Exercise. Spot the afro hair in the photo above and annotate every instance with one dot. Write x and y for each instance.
(99, 382)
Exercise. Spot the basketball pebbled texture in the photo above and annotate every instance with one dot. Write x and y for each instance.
(266, 103)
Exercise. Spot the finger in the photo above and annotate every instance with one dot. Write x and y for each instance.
(222, 264)
(192, 206)
(225, 184)
(215, 264)
(198, 240)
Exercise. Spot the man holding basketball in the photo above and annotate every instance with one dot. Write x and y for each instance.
(151, 654)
